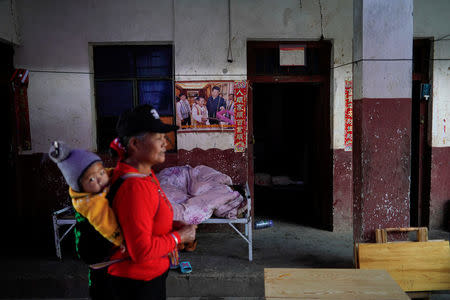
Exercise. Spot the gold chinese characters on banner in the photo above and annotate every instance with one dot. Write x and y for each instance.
(240, 108)
(348, 139)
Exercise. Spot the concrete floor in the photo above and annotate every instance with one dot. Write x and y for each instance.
(221, 269)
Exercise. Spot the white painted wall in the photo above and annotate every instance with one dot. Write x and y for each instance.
(440, 100)
(55, 48)
(431, 20)
(383, 49)
(55, 39)
(204, 140)
(338, 26)
(9, 27)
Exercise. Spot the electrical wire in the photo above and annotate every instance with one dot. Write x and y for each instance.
(321, 21)
(230, 53)
(443, 38)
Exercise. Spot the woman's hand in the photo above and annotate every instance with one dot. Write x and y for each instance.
(178, 224)
(187, 233)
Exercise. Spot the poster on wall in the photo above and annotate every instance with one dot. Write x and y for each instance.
(170, 136)
(219, 106)
(205, 105)
(292, 55)
(348, 140)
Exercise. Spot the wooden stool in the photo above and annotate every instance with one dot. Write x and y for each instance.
(418, 267)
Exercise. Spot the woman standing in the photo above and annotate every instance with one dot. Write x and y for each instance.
(143, 210)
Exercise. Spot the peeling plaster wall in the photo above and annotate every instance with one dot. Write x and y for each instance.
(431, 21)
(441, 94)
(201, 41)
(268, 20)
(301, 20)
(202, 140)
(56, 37)
(57, 34)
(338, 16)
(9, 27)
(60, 113)
(382, 115)
(201, 45)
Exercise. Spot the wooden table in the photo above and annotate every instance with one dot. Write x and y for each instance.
(330, 284)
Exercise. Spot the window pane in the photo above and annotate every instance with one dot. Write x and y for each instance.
(157, 93)
(106, 132)
(154, 61)
(114, 62)
(127, 75)
(113, 97)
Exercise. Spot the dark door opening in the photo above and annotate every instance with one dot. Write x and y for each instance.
(9, 160)
(290, 152)
(420, 150)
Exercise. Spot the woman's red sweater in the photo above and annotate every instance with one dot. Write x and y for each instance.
(145, 216)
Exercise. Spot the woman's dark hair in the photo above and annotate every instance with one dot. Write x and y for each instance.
(126, 139)
(113, 153)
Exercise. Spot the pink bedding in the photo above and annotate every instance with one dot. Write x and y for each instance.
(198, 193)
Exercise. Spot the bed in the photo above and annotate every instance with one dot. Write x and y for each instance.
(203, 195)
(199, 195)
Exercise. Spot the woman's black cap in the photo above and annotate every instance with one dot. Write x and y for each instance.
(142, 118)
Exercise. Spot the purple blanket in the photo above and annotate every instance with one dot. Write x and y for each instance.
(198, 193)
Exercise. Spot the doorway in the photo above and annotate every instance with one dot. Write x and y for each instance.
(290, 154)
(284, 144)
(420, 149)
(9, 161)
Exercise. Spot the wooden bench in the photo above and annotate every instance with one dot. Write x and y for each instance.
(336, 284)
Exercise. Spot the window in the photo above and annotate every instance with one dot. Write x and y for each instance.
(126, 76)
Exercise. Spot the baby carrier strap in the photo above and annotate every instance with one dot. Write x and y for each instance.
(91, 246)
(116, 185)
(111, 194)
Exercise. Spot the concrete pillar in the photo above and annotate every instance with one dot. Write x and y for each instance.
(382, 75)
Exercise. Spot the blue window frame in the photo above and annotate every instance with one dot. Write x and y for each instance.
(129, 75)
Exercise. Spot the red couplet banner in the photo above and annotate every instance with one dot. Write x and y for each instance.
(240, 114)
(348, 141)
(19, 85)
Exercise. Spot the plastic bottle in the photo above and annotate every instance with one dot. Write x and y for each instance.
(263, 224)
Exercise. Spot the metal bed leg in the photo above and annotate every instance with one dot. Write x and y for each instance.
(247, 221)
(57, 223)
(248, 226)
(57, 240)
(250, 239)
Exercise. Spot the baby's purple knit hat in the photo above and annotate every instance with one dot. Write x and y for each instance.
(72, 162)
